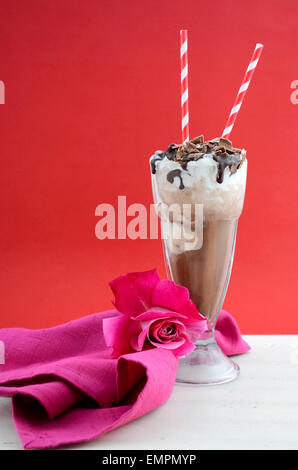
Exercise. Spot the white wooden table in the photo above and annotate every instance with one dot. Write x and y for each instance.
(257, 411)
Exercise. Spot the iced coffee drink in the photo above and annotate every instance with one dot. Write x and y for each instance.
(212, 174)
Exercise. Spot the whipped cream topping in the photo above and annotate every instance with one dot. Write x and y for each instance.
(216, 179)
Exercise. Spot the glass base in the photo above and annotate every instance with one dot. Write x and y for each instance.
(206, 365)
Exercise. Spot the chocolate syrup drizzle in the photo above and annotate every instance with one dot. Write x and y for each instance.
(173, 174)
(221, 150)
(159, 155)
(223, 161)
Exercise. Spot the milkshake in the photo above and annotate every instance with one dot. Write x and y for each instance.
(212, 174)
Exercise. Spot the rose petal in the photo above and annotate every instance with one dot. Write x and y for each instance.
(158, 313)
(137, 342)
(158, 331)
(133, 292)
(118, 331)
(169, 345)
(169, 295)
(187, 347)
(153, 331)
(148, 323)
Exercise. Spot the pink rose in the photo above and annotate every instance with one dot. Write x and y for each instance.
(152, 313)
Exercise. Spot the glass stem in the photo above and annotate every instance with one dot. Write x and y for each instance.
(207, 337)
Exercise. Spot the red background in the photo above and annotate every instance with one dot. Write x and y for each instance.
(92, 89)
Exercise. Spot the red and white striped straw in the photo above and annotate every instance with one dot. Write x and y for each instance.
(242, 91)
(184, 85)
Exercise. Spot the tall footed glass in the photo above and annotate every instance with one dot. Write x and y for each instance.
(201, 257)
(206, 273)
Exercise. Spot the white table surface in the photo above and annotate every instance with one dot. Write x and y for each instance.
(257, 411)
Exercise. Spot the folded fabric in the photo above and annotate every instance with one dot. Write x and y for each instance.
(228, 336)
(67, 388)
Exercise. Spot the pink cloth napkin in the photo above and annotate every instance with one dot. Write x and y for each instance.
(66, 388)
